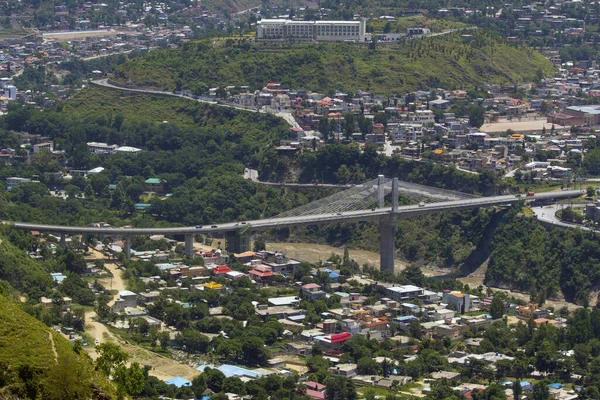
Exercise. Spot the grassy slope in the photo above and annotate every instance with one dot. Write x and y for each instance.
(26, 341)
(97, 102)
(418, 21)
(446, 61)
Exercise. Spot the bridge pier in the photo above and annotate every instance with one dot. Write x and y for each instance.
(128, 247)
(387, 244)
(189, 245)
(63, 241)
(238, 241)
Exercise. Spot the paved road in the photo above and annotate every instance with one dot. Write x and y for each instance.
(402, 212)
(104, 83)
(548, 215)
(285, 115)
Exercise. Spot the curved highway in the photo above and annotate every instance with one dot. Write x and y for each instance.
(403, 212)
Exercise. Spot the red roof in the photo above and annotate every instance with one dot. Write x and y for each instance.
(221, 269)
(311, 286)
(315, 395)
(315, 385)
(340, 337)
(262, 274)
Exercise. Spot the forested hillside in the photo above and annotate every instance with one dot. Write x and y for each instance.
(545, 261)
(447, 61)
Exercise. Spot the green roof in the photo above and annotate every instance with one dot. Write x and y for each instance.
(153, 181)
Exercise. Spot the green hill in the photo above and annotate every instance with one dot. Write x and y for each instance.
(448, 61)
(36, 362)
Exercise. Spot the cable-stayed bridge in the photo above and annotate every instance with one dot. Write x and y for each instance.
(364, 202)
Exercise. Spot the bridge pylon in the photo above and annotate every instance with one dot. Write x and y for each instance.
(387, 232)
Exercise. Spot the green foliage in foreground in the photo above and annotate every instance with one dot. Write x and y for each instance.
(447, 61)
(31, 369)
(530, 257)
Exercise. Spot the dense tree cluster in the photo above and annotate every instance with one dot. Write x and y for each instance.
(527, 256)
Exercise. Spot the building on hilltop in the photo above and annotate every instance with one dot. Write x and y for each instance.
(327, 31)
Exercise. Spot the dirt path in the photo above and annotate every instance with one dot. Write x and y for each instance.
(163, 368)
(51, 338)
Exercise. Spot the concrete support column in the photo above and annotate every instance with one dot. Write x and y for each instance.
(380, 191)
(128, 247)
(395, 195)
(387, 243)
(189, 245)
(63, 241)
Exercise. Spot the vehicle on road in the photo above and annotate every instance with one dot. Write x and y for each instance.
(213, 226)
(530, 194)
(421, 204)
(243, 222)
(198, 226)
(97, 341)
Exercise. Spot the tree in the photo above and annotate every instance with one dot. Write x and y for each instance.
(368, 366)
(517, 389)
(110, 357)
(540, 391)
(340, 388)
(476, 116)
(259, 245)
(164, 338)
(492, 392)
(324, 128)
(193, 340)
(69, 379)
(497, 308)
(130, 380)
(254, 351)
(590, 191)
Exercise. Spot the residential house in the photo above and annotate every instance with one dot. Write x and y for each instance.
(313, 291)
(345, 370)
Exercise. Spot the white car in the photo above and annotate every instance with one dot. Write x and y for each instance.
(97, 341)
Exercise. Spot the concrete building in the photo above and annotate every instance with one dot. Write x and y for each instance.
(330, 31)
(126, 298)
(461, 302)
(404, 292)
(14, 181)
(46, 146)
(101, 148)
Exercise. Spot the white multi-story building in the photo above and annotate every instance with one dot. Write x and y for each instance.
(331, 31)
(101, 148)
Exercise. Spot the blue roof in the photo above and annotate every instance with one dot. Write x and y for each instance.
(232, 370)
(179, 382)
(333, 275)
(556, 385)
(405, 319)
